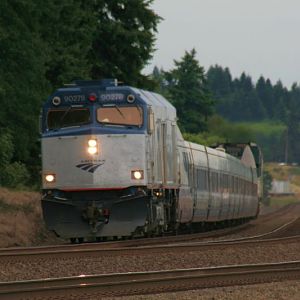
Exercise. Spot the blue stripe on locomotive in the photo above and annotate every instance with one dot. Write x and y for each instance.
(95, 127)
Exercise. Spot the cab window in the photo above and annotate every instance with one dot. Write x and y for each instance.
(120, 115)
(60, 118)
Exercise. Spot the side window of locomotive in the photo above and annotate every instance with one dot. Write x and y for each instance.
(61, 118)
(121, 115)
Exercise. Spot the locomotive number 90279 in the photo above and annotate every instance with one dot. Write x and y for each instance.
(112, 97)
(74, 98)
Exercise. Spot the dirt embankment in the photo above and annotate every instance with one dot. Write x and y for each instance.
(21, 221)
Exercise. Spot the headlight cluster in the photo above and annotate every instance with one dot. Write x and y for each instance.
(137, 174)
(92, 147)
(50, 178)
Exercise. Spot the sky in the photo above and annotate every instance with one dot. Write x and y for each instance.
(258, 37)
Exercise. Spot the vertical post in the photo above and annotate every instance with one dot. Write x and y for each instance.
(286, 150)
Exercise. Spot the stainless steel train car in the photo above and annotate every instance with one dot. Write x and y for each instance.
(115, 164)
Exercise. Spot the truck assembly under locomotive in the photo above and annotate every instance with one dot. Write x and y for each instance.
(116, 165)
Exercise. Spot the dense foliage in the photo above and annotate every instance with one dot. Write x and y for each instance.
(245, 111)
(241, 100)
(44, 45)
(186, 87)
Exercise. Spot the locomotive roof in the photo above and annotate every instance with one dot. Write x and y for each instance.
(110, 86)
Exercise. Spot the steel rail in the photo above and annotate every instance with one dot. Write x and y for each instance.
(18, 251)
(124, 243)
(189, 246)
(118, 284)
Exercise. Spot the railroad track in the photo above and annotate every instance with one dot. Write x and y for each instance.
(142, 241)
(19, 251)
(120, 244)
(121, 284)
(96, 250)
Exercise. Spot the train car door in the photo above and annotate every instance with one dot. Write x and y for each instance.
(150, 149)
(186, 201)
(158, 153)
(169, 154)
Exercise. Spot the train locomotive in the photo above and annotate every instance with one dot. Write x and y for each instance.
(115, 164)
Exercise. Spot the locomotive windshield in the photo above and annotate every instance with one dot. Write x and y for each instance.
(120, 115)
(60, 118)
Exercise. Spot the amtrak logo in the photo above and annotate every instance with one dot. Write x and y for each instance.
(89, 166)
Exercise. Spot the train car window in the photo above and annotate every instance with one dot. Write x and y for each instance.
(231, 184)
(236, 186)
(60, 118)
(215, 181)
(185, 161)
(202, 180)
(120, 115)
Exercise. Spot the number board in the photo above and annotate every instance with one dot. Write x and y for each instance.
(112, 97)
(78, 99)
(74, 98)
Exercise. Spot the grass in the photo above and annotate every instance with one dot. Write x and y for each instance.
(285, 172)
(20, 217)
(266, 128)
(283, 200)
(12, 207)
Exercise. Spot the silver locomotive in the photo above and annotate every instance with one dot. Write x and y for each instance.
(115, 164)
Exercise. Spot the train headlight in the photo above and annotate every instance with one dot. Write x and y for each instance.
(50, 178)
(137, 174)
(92, 146)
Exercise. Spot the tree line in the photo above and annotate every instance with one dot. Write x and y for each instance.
(44, 46)
(222, 108)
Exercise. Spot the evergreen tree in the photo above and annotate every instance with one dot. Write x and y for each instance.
(293, 134)
(123, 41)
(189, 93)
(281, 102)
(264, 91)
(67, 28)
(44, 46)
(219, 81)
(22, 82)
(252, 108)
(158, 77)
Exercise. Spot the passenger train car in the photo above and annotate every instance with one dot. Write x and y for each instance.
(115, 164)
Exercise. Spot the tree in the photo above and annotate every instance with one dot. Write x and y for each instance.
(281, 97)
(22, 82)
(45, 46)
(123, 41)
(189, 93)
(265, 93)
(267, 186)
(219, 81)
(67, 29)
(293, 134)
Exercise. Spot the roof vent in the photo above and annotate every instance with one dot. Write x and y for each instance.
(110, 82)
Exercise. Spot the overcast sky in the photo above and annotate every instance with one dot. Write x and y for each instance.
(260, 37)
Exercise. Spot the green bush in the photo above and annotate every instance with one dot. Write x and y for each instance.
(6, 148)
(15, 175)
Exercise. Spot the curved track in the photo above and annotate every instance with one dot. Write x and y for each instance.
(149, 282)
(132, 247)
(189, 240)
